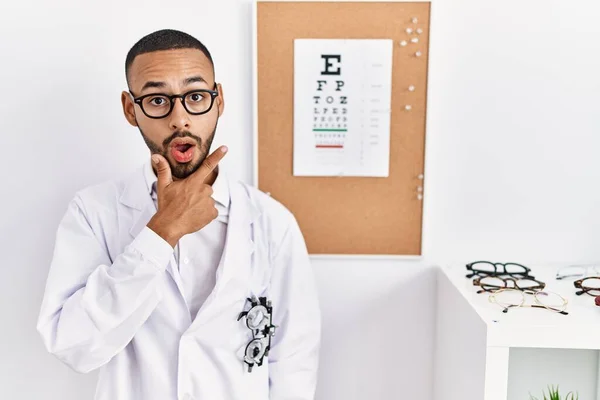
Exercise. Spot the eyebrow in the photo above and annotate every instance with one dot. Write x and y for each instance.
(187, 81)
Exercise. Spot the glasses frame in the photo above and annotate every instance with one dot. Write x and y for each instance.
(213, 95)
(539, 304)
(587, 268)
(503, 272)
(585, 289)
(477, 282)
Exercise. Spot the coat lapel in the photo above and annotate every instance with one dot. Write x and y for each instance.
(239, 244)
(136, 196)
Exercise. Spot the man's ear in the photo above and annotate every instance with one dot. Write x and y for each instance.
(220, 99)
(128, 108)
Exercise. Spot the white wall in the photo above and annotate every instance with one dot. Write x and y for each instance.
(514, 116)
(510, 172)
(378, 330)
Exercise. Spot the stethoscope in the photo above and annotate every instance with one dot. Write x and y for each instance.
(259, 321)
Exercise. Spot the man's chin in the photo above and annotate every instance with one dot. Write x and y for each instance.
(183, 170)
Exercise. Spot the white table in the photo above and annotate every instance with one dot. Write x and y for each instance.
(474, 336)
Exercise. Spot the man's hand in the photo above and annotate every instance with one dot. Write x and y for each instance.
(184, 206)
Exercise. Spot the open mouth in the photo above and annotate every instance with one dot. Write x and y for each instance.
(183, 147)
(182, 152)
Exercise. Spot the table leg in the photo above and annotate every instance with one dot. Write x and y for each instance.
(496, 373)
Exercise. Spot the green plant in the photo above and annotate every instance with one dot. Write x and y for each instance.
(553, 394)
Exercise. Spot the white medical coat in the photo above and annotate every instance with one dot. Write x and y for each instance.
(113, 301)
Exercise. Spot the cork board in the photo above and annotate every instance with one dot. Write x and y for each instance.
(345, 215)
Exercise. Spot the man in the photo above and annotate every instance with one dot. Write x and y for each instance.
(175, 282)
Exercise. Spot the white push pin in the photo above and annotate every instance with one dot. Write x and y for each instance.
(419, 31)
(408, 107)
(403, 43)
(415, 20)
(421, 177)
(420, 189)
(409, 30)
(411, 88)
(418, 54)
(420, 196)
(415, 40)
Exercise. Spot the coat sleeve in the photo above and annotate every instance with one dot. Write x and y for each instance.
(294, 355)
(92, 308)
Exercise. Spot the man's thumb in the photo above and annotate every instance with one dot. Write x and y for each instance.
(163, 170)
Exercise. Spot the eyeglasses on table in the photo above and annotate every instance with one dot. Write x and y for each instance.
(488, 268)
(589, 285)
(514, 298)
(493, 283)
(578, 271)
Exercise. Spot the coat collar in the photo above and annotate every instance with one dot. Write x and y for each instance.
(135, 195)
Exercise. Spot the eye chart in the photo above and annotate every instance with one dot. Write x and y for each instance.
(342, 107)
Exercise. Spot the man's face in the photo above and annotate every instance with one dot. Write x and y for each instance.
(182, 138)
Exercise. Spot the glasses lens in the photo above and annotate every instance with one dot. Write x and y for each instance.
(484, 266)
(255, 351)
(593, 286)
(156, 106)
(198, 102)
(257, 317)
(515, 269)
(491, 283)
(551, 300)
(509, 298)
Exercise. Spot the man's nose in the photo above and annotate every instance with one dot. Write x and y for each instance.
(179, 117)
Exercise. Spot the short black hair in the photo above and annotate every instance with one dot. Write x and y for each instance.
(165, 39)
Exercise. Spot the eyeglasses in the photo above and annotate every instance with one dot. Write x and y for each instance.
(590, 285)
(487, 268)
(159, 105)
(511, 298)
(577, 271)
(493, 283)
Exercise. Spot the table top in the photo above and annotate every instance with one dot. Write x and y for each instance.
(533, 327)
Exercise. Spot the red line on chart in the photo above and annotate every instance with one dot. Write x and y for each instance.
(331, 146)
